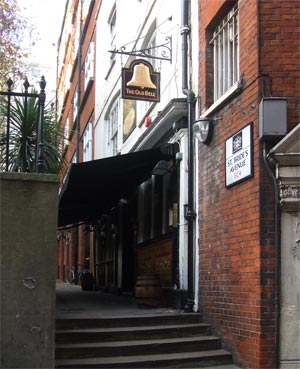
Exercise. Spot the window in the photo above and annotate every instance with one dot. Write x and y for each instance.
(74, 158)
(150, 45)
(152, 50)
(66, 132)
(129, 118)
(112, 129)
(86, 6)
(112, 30)
(87, 142)
(89, 65)
(225, 43)
(75, 103)
(76, 37)
(67, 78)
(157, 205)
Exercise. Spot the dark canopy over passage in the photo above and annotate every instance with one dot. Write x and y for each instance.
(93, 187)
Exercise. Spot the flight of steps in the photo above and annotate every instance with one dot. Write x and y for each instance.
(157, 341)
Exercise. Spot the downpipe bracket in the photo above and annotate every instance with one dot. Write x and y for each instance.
(190, 215)
(185, 29)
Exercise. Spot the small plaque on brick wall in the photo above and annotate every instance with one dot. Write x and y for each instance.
(239, 153)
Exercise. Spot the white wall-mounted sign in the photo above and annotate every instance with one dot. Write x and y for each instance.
(239, 156)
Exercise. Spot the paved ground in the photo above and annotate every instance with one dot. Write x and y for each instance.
(72, 302)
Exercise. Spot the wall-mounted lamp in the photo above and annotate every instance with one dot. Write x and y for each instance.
(161, 168)
(203, 130)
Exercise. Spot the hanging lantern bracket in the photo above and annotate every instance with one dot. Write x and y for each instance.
(165, 51)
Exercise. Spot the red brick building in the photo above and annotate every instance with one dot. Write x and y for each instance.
(249, 92)
(75, 105)
(249, 50)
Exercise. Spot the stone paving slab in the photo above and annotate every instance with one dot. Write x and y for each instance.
(72, 302)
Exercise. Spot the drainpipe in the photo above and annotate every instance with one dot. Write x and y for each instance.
(191, 101)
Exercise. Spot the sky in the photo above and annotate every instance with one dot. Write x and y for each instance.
(46, 16)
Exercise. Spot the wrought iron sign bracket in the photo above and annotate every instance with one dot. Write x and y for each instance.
(165, 51)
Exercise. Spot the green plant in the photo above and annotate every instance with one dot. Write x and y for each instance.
(23, 136)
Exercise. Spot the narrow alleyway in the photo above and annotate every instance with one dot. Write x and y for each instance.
(72, 302)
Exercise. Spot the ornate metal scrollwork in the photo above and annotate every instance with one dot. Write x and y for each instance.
(165, 51)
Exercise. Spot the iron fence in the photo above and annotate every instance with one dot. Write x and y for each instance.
(38, 162)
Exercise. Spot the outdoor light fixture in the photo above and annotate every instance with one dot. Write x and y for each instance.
(161, 168)
(203, 130)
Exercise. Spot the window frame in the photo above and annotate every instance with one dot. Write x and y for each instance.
(113, 127)
(66, 132)
(88, 142)
(143, 107)
(225, 46)
(89, 64)
(112, 31)
(75, 103)
(157, 198)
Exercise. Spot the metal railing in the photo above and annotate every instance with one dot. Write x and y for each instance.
(41, 96)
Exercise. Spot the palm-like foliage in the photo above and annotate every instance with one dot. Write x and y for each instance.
(23, 136)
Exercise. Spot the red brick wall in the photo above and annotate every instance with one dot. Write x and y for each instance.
(86, 115)
(279, 60)
(280, 51)
(237, 227)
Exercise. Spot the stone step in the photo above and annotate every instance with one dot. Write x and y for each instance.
(134, 347)
(189, 360)
(131, 333)
(124, 321)
(229, 366)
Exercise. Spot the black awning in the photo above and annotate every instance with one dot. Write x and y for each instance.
(95, 186)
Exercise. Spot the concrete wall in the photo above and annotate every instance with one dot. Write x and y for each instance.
(28, 263)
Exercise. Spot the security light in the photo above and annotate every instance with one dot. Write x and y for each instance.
(203, 130)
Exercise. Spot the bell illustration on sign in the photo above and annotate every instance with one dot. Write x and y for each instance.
(141, 77)
(140, 82)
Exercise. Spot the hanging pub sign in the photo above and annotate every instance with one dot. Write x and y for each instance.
(239, 152)
(140, 82)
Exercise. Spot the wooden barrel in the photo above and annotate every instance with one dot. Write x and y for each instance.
(148, 290)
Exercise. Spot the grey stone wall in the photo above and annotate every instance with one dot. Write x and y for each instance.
(28, 222)
(290, 291)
